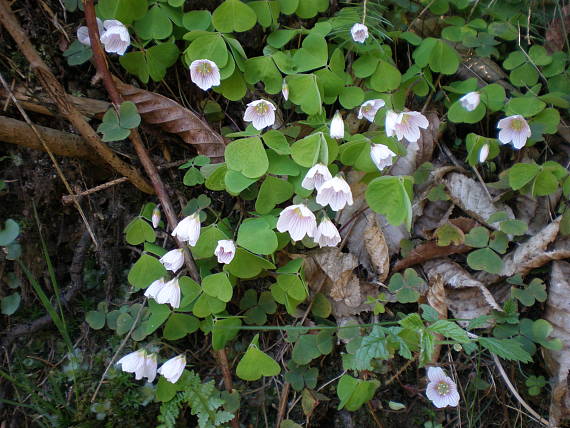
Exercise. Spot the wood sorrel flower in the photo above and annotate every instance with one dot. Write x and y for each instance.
(188, 230)
(155, 217)
(173, 260)
(260, 113)
(470, 101)
(327, 234)
(316, 176)
(483, 153)
(405, 125)
(170, 294)
(381, 155)
(337, 126)
(173, 368)
(359, 32)
(83, 33)
(369, 108)
(441, 389)
(336, 193)
(116, 38)
(285, 90)
(298, 220)
(225, 251)
(154, 288)
(139, 363)
(204, 73)
(515, 130)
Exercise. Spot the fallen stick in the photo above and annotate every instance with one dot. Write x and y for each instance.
(60, 143)
(57, 93)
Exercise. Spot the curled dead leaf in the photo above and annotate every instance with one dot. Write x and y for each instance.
(467, 298)
(376, 247)
(558, 362)
(470, 196)
(159, 110)
(557, 31)
(540, 249)
(437, 300)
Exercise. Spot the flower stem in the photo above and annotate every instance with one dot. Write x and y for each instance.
(364, 12)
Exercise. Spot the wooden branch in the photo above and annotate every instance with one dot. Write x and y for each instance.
(39, 103)
(65, 106)
(60, 143)
(148, 165)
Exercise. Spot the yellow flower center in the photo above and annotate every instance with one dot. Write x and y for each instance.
(205, 68)
(367, 108)
(442, 388)
(405, 119)
(261, 108)
(517, 124)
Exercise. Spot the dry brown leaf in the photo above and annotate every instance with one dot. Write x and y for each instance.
(470, 196)
(558, 362)
(557, 31)
(437, 300)
(536, 211)
(376, 246)
(534, 253)
(158, 110)
(466, 297)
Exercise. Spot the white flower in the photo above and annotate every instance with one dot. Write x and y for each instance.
(337, 126)
(155, 217)
(173, 368)
(405, 125)
(298, 220)
(515, 130)
(359, 32)
(188, 230)
(285, 90)
(204, 73)
(116, 38)
(470, 101)
(327, 234)
(441, 390)
(149, 368)
(316, 176)
(83, 33)
(173, 260)
(170, 294)
(139, 363)
(369, 108)
(225, 251)
(260, 113)
(381, 155)
(483, 153)
(153, 289)
(336, 193)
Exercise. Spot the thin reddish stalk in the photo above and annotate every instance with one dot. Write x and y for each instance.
(148, 165)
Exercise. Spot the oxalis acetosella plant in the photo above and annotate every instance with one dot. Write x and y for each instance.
(291, 256)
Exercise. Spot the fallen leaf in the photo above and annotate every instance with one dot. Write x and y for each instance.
(466, 297)
(557, 31)
(433, 215)
(159, 110)
(376, 246)
(437, 300)
(540, 249)
(536, 211)
(470, 196)
(558, 362)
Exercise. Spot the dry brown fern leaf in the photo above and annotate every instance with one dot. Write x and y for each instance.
(159, 110)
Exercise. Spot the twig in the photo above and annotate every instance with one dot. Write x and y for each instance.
(400, 371)
(282, 404)
(148, 165)
(67, 199)
(51, 156)
(222, 358)
(482, 183)
(515, 392)
(58, 94)
(119, 349)
(60, 143)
